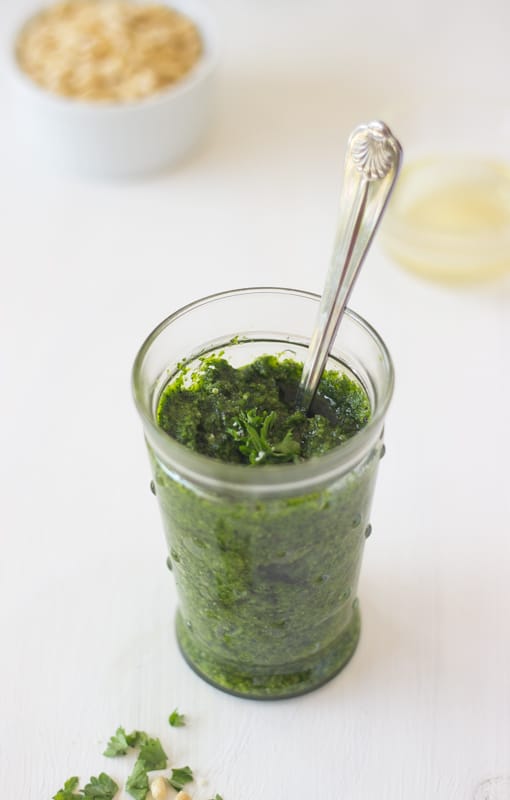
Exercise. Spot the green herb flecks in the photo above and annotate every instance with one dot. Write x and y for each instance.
(118, 744)
(101, 788)
(137, 785)
(180, 777)
(121, 741)
(251, 430)
(137, 738)
(68, 793)
(153, 755)
(176, 720)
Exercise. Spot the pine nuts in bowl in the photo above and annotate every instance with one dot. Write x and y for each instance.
(114, 88)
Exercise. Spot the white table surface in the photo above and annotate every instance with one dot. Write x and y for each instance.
(88, 269)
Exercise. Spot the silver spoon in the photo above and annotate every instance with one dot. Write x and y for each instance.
(371, 167)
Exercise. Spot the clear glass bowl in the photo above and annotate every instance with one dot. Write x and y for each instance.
(449, 217)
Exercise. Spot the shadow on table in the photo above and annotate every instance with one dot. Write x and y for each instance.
(397, 653)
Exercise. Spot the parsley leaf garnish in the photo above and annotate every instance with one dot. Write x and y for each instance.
(101, 788)
(176, 720)
(180, 777)
(153, 755)
(118, 744)
(67, 793)
(287, 449)
(137, 738)
(252, 430)
(137, 785)
(217, 797)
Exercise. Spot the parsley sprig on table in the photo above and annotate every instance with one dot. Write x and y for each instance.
(137, 785)
(151, 756)
(176, 720)
(180, 777)
(67, 793)
(118, 744)
(137, 738)
(121, 741)
(101, 788)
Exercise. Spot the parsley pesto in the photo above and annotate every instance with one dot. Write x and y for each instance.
(247, 415)
(266, 585)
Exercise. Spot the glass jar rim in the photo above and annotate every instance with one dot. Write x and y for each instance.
(267, 479)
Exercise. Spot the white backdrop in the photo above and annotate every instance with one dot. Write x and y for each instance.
(88, 269)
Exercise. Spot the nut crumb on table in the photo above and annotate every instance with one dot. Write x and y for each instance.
(159, 788)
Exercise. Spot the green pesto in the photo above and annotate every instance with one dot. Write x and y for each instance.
(267, 589)
(248, 414)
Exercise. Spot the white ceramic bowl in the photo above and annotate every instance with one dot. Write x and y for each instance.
(116, 140)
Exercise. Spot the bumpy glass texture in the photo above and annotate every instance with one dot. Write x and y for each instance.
(267, 589)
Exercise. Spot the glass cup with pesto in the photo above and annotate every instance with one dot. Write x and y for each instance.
(265, 525)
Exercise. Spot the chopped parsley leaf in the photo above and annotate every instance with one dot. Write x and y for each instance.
(180, 777)
(176, 720)
(67, 793)
(153, 755)
(137, 738)
(137, 785)
(118, 744)
(251, 431)
(101, 788)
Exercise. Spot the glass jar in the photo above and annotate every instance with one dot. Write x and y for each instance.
(266, 558)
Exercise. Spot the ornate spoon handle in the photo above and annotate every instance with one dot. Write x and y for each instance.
(371, 166)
